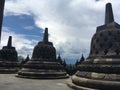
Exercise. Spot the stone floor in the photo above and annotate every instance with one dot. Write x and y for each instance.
(10, 82)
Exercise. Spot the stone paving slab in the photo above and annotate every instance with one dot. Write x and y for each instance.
(10, 82)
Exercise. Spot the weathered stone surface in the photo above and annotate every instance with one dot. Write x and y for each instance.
(10, 82)
(8, 58)
(101, 69)
(43, 63)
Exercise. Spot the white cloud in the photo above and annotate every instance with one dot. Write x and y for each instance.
(71, 23)
(29, 27)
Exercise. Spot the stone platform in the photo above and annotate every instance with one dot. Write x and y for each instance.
(10, 82)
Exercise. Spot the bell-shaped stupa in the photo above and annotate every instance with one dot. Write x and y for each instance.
(9, 58)
(101, 70)
(43, 63)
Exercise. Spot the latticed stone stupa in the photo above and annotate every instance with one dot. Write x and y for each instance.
(101, 70)
(43, 63)
(9, 58)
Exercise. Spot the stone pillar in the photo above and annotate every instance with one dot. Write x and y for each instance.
(2, 2)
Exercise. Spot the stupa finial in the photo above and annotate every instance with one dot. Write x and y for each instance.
(82, 58)
(9, 44)
(45, 39)
(109, 14)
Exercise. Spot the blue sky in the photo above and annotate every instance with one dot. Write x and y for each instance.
(71, 24)
(23, 24)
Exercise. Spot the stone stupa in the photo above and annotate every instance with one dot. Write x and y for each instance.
(101, 70)
(43, 64)
(9, 58)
